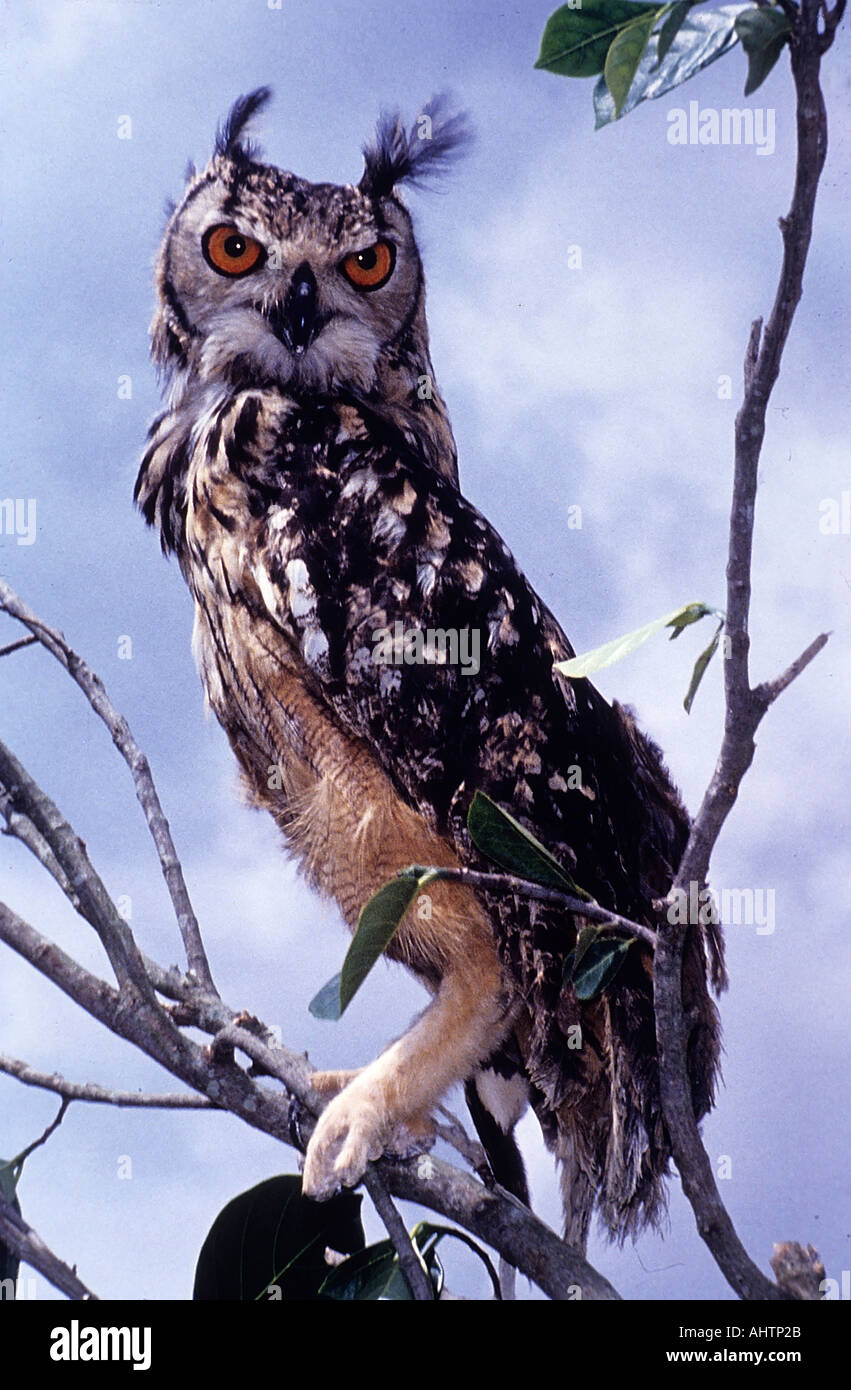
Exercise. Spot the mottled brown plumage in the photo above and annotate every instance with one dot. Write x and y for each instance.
(304, 474)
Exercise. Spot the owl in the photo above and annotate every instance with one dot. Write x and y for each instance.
(303, 471)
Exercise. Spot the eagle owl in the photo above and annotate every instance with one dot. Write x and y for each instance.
(304, 473)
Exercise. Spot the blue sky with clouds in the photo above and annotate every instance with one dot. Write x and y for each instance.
(593, 385)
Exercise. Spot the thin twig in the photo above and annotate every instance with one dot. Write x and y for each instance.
(510, 883)
(767, 693)
(17, 1163)
(16, 646)
(85, 888)
(411, 1263)
(100, 1095)
(831, 19)
(454, 1134)
(93, 688)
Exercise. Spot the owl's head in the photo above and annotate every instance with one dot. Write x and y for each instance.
(265, 278)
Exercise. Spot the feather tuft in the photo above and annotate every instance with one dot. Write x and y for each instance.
(415, 154)
(229, 136)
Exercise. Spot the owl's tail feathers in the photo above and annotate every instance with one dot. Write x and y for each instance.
(599, 1107)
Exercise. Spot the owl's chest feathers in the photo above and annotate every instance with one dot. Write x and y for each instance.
(338, 810)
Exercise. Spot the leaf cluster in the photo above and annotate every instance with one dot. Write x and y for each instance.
(640, 51)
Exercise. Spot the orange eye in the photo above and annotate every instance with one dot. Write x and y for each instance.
(231, 252)
(370, 269)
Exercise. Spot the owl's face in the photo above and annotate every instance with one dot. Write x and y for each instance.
(266, 278)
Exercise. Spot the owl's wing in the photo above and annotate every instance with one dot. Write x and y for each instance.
(418, 630)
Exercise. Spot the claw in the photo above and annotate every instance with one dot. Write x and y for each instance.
(348, 1135)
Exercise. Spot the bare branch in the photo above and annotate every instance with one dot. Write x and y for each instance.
(832, 18)
(501, 1222)
(454, 1134)
(84, 888)
(27, 1244)
(767, 693)
(492, 1216)
(16, 646)
(146, 792)
(744, 706)
(101, 1095)
(412, 1265)
(17, 1163)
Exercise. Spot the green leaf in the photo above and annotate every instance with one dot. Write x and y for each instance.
(273, 1235)
(576, 40)
(326, 1002)
(8, 1179)
(700, 667)
(601, 962)
(378, 923)
(375, 1273)
(610, 652)
(587, 936)
(427, 1235)
(370, 1275)
(504, 840)
(9, 1262)
(426, 1244)
(764, 33)
(624, 55)
(702, 37)
(671, 28)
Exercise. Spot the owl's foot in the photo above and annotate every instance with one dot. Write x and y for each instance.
(348, 1135)
(351, 1133)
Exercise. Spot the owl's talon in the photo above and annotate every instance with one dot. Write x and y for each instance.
(348, 1136)
(412, 1138)
(298, 1120)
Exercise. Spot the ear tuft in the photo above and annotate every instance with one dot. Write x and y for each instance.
(425, 150)
(229, 136)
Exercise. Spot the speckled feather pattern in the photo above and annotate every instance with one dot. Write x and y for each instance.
(322, 526)
(309, 490)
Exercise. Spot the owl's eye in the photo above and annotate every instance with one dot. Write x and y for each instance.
(231, 252)
(372, 268)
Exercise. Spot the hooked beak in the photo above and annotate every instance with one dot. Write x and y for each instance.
(296, 322)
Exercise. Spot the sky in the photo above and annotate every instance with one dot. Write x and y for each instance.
(595, 381)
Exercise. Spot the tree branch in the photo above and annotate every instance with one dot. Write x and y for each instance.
(22, 797)
(27, 1244)
(493, 1217)
(95, 692)
(100, 1095)
(16, 1164)
(16, 646)
(744, 706)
